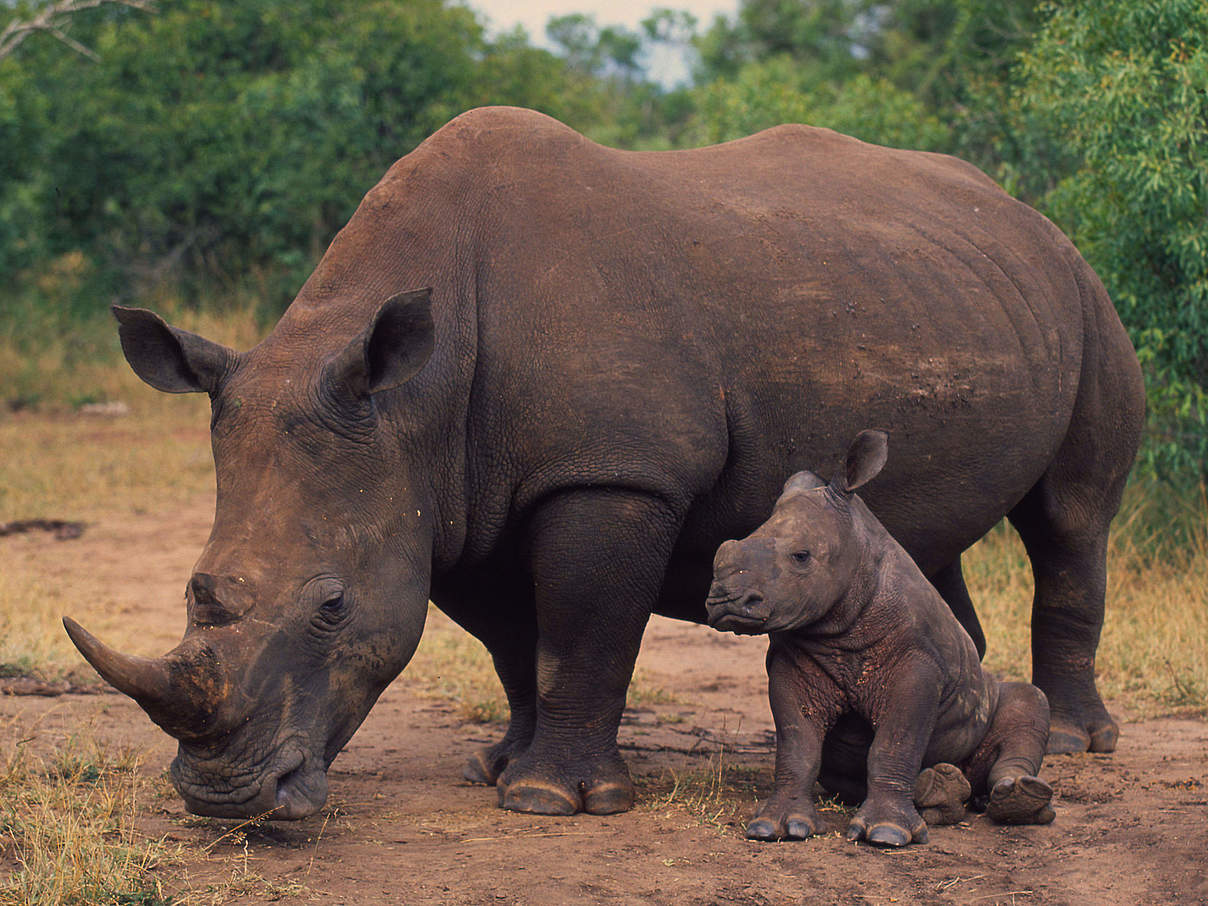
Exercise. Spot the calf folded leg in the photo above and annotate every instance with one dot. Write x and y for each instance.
(1007, 762)
(940, 794)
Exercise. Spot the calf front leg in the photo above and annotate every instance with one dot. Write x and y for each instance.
(597, 560)
(805, 704)
(904, 724)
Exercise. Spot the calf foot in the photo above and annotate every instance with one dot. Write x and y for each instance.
(788, 819)
(598, 786)
(896, 824)
(1021, 800)
(940, 794)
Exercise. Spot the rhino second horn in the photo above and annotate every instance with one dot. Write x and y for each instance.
(149, 681)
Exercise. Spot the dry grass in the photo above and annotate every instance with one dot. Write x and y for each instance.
(1153, 654)
(79, 362)
(452, 665)
(68, 825)
(721, 794)
(61, 462)
(32, 641)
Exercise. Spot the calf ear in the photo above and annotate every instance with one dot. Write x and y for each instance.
(392, 349)
(865, 458)
(168, 358)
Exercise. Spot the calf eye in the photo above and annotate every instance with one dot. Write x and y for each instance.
(801, 557)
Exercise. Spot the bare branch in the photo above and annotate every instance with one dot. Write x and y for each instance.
(53, 19)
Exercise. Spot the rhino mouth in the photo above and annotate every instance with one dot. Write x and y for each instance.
(291, 786)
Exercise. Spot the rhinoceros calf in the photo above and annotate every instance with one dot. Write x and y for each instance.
(539, 381)
(870, 676)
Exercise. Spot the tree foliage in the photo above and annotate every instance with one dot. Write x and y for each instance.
(219, 144)
(222, 141)
(1115, 93)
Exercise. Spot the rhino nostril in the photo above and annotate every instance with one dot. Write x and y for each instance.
(201, 587)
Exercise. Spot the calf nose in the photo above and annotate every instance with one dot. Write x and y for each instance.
(202, 586)
(753, 556)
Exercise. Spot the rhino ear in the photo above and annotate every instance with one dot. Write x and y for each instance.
(865, 458)
(168, 358)
(392, 349)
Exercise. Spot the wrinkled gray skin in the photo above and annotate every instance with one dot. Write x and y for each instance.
(871, 678)
(539, 381)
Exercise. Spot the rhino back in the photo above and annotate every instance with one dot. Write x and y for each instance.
(700, 324)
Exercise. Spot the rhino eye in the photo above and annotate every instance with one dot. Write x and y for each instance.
(801, 558)
(333, 610)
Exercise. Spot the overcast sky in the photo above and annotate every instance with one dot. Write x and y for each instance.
(533, 14)
(667, 67)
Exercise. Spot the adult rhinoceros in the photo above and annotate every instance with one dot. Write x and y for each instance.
(539, 380)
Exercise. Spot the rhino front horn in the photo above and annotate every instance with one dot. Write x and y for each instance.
(152, 682)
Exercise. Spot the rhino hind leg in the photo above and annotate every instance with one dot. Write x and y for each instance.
(597, 560)
(1063, 521)
(1069, 567)
(950, 583)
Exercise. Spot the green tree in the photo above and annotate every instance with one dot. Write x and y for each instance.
(1112, 104)
(771, 92)
(222, 143)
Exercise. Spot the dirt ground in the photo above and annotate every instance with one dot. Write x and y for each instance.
(402, 827)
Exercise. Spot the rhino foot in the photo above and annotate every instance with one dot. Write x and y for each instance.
(1021, 800)
(596, 786)
(486, 764)
(1067, 736)
(940, 794)
(1087, 728)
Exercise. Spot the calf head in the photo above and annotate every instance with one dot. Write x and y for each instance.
(311, 593)
(808, 556)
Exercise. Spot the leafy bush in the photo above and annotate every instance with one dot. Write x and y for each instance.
(1121, 89)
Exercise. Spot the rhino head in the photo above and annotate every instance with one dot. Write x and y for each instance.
(311, 593)
(810, 554)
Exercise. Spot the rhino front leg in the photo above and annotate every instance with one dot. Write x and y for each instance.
(495, 605)
(597, 560)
